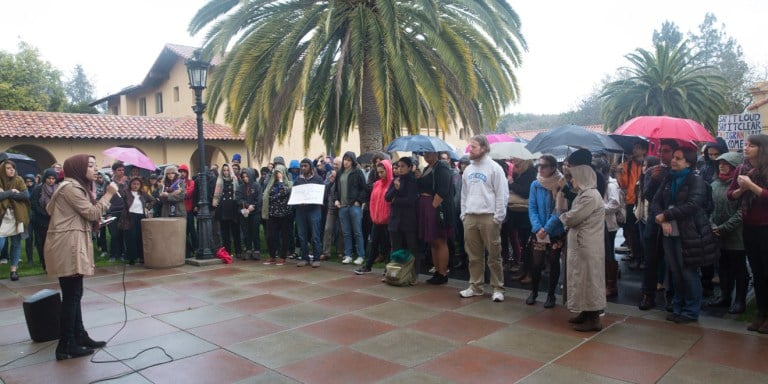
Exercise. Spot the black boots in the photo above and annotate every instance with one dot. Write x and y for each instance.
(83, 339)
(531, 300)
(438, 279)
(590, 323)
(550, 303)
(69, 349)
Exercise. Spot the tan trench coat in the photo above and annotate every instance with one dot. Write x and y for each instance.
(68, 245)
(585, 221)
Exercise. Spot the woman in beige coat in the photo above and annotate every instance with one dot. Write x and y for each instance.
(68, 250)
(585, 222)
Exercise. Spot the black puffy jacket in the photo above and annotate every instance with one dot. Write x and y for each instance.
(700, 247)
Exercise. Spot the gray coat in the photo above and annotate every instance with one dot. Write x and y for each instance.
(586, 250)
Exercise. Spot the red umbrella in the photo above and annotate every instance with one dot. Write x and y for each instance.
(497, 138)
(131, 156)
(665, 127)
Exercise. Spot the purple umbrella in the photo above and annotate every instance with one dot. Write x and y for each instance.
(130, 156)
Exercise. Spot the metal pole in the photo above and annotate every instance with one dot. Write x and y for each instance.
(204, 226)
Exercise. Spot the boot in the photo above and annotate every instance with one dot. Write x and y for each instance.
(550, 303)
(531, 300)
(757, 322)
(83, 339)
(535, 279)
(578, 319)
(611, 277)
(591, 322)
(647, 302)
(68, 349)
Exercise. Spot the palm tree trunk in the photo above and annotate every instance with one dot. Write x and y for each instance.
(370, 118)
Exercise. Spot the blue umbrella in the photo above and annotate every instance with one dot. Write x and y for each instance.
(419, 144)
(574, 136)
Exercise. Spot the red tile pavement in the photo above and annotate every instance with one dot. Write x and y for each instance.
(218, 366)
(458, 327)
(346, 329)
(471, 364)
(618, 362)
(341, 366)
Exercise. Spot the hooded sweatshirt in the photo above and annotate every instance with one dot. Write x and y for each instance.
(378, 205)
(287, 184)
(484, 190)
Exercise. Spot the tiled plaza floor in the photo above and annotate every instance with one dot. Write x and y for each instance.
(250, 323)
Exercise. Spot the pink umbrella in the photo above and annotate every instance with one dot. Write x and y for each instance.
(665, 127)
(130, 156)
(497, 138)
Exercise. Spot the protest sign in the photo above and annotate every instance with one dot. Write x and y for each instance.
(735, 129)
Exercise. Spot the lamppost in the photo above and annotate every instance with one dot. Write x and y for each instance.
(198, 72)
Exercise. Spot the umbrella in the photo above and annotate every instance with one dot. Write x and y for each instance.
(367, 158)
(665, 127)
(419, 144)
(574, 136)
(509, 150)
(497, 138)
(560, 153)
(24, 164)
(130, 156)
(627, 141)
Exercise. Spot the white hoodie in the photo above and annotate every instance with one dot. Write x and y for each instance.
(484, 190)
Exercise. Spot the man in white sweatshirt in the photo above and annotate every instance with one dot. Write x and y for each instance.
(484, 195)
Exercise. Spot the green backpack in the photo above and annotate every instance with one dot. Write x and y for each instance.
(400, 271)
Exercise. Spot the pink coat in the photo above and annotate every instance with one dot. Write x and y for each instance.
(378, 206)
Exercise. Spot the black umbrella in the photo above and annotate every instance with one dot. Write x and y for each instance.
(627, 142)
(367, 158)
(25, 165)
(573, 136)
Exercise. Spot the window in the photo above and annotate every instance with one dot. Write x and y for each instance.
(142, 106)
(113, 110)
(176, 94)
(159, 102)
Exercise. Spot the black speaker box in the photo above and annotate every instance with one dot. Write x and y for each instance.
(42, 313)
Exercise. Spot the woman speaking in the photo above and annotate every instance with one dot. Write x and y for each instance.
(68, 251)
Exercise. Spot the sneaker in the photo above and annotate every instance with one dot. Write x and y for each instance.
(103, 255)
(292, 256)
(346, 260)
(362, 271)
(622, 249)
(280, 262)
(302, 263)
(469, 292)
(269, 261)
(432, 270)
(315, 264)
(359, 261)
(497, 297)
(3, 261)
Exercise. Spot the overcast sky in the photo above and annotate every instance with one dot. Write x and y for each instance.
(572, 45)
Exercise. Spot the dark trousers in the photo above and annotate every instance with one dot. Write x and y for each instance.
(251, 226)
(71, 320)
(279, 232)
(756, 245)
(408, 239)
(29, 243)
(231, 229)
(134, 243)
(192, 243)
(632, 234)
(40, 234)
(654, 254)
(733, 274)
(380, 244)
(117, 242)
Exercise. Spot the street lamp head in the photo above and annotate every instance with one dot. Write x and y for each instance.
(197, 71)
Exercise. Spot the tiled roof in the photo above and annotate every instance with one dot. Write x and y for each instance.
(530, 134)
(49, 125)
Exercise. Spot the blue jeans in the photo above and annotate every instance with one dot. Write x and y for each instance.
(352, 225)
(685, 278)
(308, 218)
(15, 248)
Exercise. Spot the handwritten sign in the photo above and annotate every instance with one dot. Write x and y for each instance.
(734, 129)
(307, 194)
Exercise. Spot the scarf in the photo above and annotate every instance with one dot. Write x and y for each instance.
(553, 184)
(677, 180)
(45, 194)
(726, 177)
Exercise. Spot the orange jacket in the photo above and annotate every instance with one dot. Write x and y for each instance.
(631, 173)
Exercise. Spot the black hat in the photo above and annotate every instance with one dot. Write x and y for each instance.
(580, 157)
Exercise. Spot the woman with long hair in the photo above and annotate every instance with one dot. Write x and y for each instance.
(436, 197)
(74, 214)
(547, 231)
(225, 200)
(136, 201)
(679, 207)
(751, 186)
(13, 197)
(172, 194)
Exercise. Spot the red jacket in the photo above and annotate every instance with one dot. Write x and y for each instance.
(378, 206)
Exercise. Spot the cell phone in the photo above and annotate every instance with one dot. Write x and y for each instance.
(106, 220)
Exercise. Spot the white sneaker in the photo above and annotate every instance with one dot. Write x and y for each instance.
(359, 261)
(432, 270)
(469, 292)
(346, 260)
(3, 261)
(497, 297)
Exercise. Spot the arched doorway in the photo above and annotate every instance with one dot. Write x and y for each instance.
(42, 156)
(213, 155)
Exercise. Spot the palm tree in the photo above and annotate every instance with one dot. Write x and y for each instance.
(664, 83)
(380, 65)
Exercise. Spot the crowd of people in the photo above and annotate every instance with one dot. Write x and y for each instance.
(685, 220)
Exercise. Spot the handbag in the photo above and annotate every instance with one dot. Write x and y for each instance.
(9, 226)
(516, 203)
